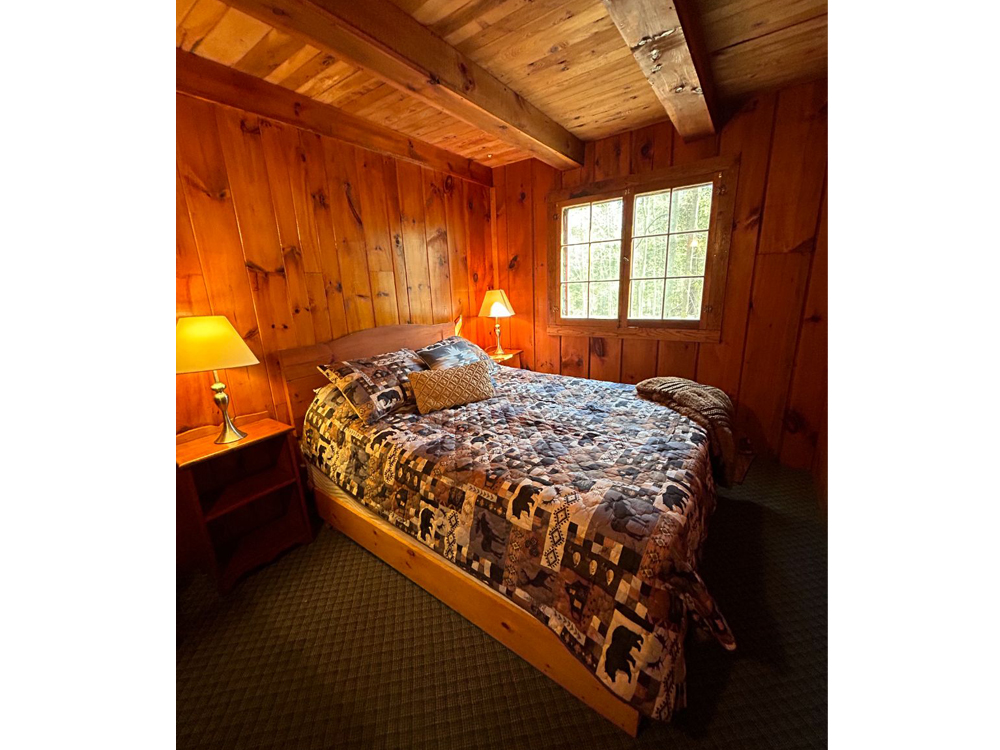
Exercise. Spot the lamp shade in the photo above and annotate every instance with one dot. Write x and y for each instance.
(496, 305)
(210, 343)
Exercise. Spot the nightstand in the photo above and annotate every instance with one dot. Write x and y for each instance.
(243, 501)
(510, 357)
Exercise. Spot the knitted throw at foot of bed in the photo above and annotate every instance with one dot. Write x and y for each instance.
(704, 405)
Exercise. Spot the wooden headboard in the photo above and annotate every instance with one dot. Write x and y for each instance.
(298, 366)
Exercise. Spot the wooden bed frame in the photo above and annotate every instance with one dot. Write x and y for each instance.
(492, 612)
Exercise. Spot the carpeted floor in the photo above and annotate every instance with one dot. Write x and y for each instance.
(329, 647)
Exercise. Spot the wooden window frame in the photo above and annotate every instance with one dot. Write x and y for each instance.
(723, 173)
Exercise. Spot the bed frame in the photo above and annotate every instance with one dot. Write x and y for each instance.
(492, 612)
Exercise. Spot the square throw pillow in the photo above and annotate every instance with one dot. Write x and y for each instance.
(377, 386)
(331, 404)
(454, 386)
(454, 351)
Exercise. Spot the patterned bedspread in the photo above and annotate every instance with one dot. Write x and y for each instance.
(577, 500)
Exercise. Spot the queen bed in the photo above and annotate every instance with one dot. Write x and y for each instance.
(562, 516)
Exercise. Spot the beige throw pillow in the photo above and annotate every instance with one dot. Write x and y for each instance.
(442, 389)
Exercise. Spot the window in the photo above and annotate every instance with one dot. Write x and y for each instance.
(644, 255)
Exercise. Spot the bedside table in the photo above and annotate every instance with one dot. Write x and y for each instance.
(510, 358)
(243, 500)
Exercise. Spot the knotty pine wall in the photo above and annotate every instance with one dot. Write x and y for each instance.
(299, 239)
(772, 356)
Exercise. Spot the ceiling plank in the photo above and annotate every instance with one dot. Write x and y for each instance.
(380, 37)
(204, 79)
(667, 46)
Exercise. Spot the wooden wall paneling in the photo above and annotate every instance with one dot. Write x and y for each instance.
(243, 150)
(798, 170)
(411, 200)
(394, 215)
(213, 220)
(326, 290)
(612, 158)
(805, 414)
(436, 228)
(501, 272)
(779, 286)
(279, 143)
(574, 356)
(480, 260)
(519, 259)
(370, 189)
(352, 249)
(543, 179)
(193, 408)
(747, 135)
(456, 217)
(581, 175)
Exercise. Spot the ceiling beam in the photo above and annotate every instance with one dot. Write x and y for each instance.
(664, 40)
(213, 82)
(379, 37)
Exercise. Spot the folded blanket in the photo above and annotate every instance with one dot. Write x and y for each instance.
(706, 406)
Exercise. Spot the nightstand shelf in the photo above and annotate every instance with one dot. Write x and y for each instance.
(244, 499)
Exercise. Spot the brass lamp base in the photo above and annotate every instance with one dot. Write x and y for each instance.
(499, 349)
(230, 432)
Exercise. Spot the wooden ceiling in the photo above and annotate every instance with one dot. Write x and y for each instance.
(565, 57)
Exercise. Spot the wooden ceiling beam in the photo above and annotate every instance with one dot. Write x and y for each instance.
(204, 79)
(664, 40)
(379, 37)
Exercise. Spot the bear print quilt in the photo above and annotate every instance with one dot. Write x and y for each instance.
(577, 500)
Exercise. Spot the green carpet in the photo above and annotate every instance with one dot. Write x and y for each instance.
(329, 647)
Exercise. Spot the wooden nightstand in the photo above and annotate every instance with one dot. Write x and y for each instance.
(243, 501)
(510, 357)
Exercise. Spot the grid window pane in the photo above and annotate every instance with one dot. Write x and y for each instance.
(690, 208)
(576, 224)
(682, 299)
(575, 262)
(649, 257)
(574, 300)
(604, 299)
(687, 254)
(652, 214)
(646, 301)
(606, 220)
(605, 260)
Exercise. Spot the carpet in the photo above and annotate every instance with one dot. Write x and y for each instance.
(328, 647)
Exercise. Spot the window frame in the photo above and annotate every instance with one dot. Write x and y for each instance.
(723, 173)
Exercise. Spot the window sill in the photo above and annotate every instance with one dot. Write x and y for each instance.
(589, 328)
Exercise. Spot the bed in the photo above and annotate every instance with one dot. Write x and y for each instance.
(563, 516)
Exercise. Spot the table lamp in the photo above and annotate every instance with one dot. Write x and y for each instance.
(496, 306)
(211, 343)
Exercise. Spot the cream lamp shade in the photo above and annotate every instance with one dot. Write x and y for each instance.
(210, 343)
(496, 305)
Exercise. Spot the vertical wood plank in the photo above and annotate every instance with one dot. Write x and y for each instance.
(748, 136)
(775, 311)
(805, 415)
(436, 232)
(458, 248)
(394, 215)
(638, 360)
(543, 179)
(481, 270)
(326, 290)
(518, 259)
(411, 199)
(370, 189)
(798, 170)
(352, 250)
(500, 270)
(574, 356)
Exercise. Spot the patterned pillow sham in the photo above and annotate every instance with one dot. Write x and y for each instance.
(330, 403)
(454, 386)
(454, 351)
(377, 386)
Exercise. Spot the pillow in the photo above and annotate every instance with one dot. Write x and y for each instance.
(377, 386)
(441, 389)
(331, 404)
(453, 352)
